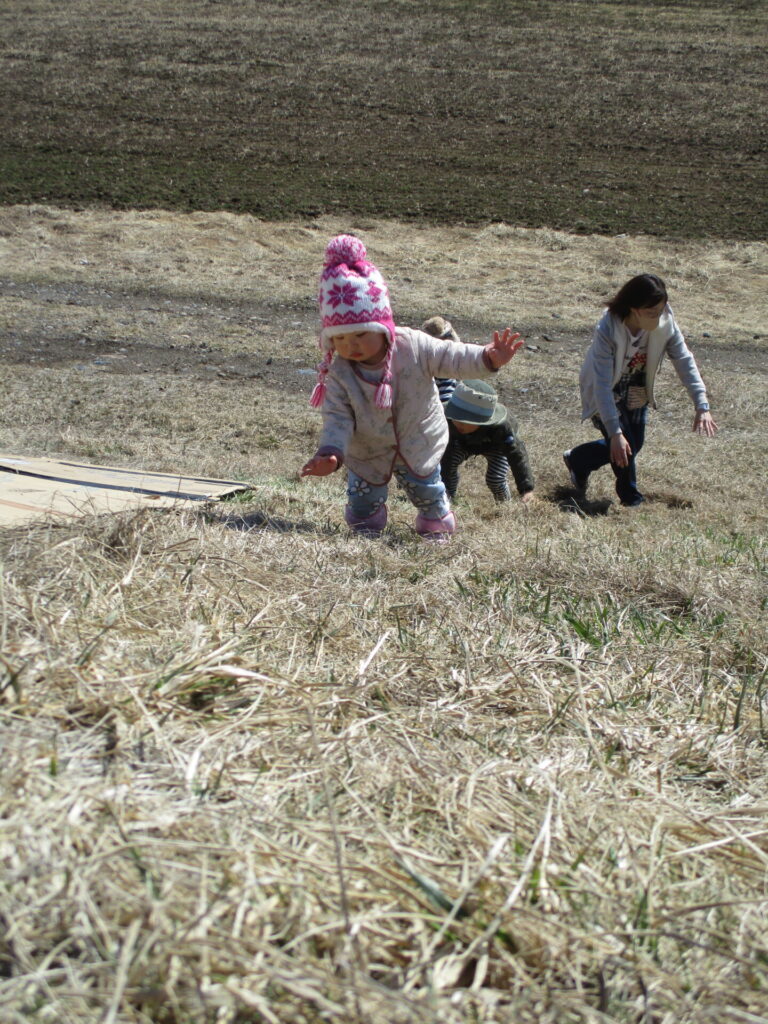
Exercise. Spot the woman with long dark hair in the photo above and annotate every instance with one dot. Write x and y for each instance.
(617, 379)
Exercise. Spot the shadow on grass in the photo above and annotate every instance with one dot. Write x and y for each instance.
(264, 521)
(392, 537)
(569, 500)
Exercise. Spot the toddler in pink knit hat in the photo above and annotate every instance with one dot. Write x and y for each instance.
(380, 407)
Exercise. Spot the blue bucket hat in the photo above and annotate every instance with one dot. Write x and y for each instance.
(474, 401)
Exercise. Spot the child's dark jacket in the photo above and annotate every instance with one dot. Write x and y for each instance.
(499, 439)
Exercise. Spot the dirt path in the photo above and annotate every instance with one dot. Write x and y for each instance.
(42, 343)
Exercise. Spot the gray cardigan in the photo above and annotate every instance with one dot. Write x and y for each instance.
(604, 361)
(414, 430)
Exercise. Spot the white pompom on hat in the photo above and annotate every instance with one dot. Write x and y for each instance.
(353, 296)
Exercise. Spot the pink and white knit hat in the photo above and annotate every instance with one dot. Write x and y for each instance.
(353, 296)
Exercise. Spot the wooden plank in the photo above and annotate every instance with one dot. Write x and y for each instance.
(31, 488)
(15, 513)
(170, 484)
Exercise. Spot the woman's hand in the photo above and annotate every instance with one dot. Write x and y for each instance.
(704, 424)
(320, 465)
(503, 347)
(621, 452)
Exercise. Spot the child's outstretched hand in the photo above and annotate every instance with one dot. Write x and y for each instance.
(320, 465)
(503, 347)
(704, 424)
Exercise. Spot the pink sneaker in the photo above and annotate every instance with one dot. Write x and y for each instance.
(437, 531)
(371, 526)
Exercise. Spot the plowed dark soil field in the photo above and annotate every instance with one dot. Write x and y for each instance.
(633, 116)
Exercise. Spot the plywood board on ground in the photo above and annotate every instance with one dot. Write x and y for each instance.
(33, 488)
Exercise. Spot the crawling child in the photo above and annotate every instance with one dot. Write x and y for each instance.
(479, 424)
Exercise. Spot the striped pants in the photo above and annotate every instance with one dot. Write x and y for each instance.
(496, 472)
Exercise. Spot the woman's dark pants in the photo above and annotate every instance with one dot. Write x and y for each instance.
(586, 458)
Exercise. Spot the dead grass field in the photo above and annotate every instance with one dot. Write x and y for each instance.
(254, 769)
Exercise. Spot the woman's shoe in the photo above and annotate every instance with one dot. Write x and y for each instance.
(579, 482)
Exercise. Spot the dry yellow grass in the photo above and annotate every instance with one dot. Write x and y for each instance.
(496, 274)
(254, 769)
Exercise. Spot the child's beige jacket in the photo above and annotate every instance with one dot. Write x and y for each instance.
(414, 431)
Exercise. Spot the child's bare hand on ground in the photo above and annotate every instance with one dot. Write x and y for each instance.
(704, 424)
(320, 465)
(503, 347)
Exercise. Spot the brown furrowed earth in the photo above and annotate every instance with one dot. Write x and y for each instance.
(592, 117)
